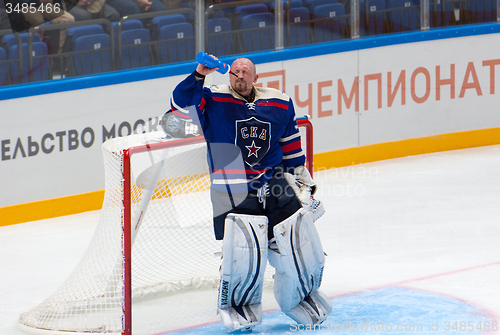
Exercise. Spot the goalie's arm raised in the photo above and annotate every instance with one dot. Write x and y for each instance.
(188, 97)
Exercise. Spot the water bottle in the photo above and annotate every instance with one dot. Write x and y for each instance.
(208, 61)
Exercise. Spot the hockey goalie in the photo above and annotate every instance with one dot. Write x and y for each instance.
(260, 193)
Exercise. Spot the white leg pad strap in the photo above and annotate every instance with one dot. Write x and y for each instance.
(299, 261)
(244, 259)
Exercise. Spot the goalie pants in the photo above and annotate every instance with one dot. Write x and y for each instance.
(278, 205)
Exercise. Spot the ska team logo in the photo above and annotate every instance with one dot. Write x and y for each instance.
(253, 138)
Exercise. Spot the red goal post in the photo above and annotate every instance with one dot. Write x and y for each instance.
(127, 215)
(160, 186)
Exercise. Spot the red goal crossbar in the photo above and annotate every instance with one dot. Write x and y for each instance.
(127, 206)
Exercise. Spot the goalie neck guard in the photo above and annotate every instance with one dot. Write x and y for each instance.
(178, 128)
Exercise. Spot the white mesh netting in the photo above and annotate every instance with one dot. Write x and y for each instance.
(172, 252)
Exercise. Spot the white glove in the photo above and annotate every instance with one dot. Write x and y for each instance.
(302, 176)
(304, 187)
(302, 183)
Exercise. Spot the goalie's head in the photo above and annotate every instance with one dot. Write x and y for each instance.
(177, 127)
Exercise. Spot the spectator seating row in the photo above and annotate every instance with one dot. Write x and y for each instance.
(387, 16)
(11, 69)
(314, 21)
(453, 12)
(482, 11)
(170, 38)
(88, 50)
(25, 62)
(251, 27)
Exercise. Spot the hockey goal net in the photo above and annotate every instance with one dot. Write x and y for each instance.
(154, 239)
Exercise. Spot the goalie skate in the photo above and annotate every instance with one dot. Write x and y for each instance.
(243, 317)
(313, 310)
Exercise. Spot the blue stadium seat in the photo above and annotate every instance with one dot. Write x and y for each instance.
(250, 9)
(134, 52)
(228, 11)
(372, 17)
(164, 20)
(3, 66)
(92, 57)
(132, 33)
(299, 26)
(92, 29)
(312, 4)
(11, 40)
(158, 22)
(128, 25)
(75, 32)
(260, 32)
(40, 70)
(217, 15)
(483, 10)
(242, 11)
(219, 36)
(403, 15)
(327, 25)
(189, 16)
(293, 4)
(180, 45)
(441, 13)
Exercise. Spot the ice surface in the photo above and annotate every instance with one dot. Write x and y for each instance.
(418, 227)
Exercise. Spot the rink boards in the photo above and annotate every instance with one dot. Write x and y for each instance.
(369, 99)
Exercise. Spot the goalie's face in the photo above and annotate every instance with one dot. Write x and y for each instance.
(245, 77)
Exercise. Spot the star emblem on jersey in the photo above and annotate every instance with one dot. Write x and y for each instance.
(251, 105)
(253, 138)
(252, 149)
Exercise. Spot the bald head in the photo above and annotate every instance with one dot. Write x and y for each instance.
(246, 76)
(245, 61)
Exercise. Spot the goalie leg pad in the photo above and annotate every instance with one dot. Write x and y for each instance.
(244, 317)
(244, 259)
(314, 309)
(299, 261)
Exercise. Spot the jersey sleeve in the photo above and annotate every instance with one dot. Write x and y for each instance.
(188, 100)
(290, 143)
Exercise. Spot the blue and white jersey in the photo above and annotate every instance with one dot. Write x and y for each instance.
(263, 133)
